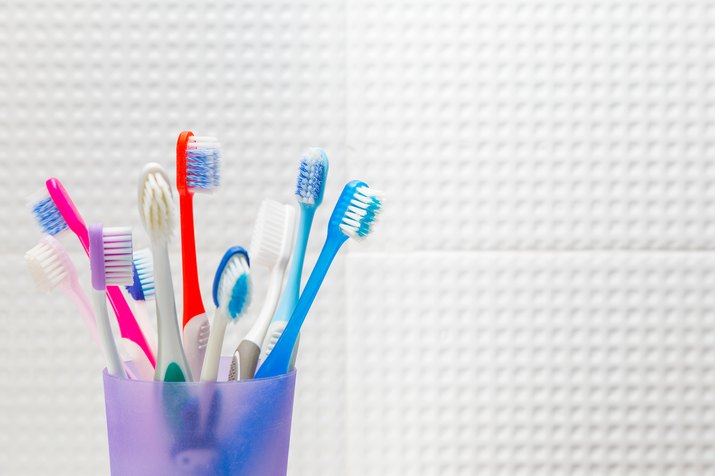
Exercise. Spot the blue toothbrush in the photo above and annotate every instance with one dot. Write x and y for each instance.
(310, 188)
(353, 217)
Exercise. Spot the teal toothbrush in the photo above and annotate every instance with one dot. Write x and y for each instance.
(354, 216)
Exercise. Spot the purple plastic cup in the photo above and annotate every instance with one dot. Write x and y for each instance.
(199, 428)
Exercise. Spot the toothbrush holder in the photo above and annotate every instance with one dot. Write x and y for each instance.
(199, 428)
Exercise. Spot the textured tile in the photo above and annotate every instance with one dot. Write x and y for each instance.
(535, 125)
(531, 364)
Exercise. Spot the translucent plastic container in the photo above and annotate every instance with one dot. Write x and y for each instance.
(218, 428)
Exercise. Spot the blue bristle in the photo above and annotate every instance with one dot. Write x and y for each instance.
(202, 168)
(239, 296)
(142, 289)
(48, 216)
(312, 172)
(370, 215)
(135, 289)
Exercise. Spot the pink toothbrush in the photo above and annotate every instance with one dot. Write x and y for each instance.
(128, 327)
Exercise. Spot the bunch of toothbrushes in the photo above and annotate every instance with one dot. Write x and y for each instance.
(190, 349)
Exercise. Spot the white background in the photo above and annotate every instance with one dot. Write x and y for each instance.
(538, 297)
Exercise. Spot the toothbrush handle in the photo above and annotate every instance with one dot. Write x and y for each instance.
(128, 326)
(171, 365)
(291, 290)
(193, 304)
(250, 347)
(78, 296)
(81, 300)
(209, 371)
(141, 313)
(278, 361)
(114, 363)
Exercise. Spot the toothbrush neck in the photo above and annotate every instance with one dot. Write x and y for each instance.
(292, 290)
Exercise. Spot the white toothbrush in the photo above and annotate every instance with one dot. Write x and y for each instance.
(110, 259)
(232, 296)
(271, 246)
(157, 210)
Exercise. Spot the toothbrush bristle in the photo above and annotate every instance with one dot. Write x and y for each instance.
(118, 264)
(235, 286)
(361, 214)
(273, 228)
(49, 264)
(48, 216)
(157, 204)
(312, 174)
(142, 288)
(203, 164)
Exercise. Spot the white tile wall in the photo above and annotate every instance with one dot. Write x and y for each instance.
(537, 298)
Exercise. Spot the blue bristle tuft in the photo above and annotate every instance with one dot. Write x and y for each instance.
(239, 296)
(202, 168)
(142, 289)
(312, 174)
(48, 216)
(135, 289)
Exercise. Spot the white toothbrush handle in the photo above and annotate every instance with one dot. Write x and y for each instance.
(141, 313)
(209, 371)
(249, 350)
(196, 336)
(111, 355)
(79, 297)
(171, 364)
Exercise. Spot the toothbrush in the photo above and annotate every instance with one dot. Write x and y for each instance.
(232, 295)
(110, 260)
(271, 248)
(142, 290)
(156, 207)
(353, 217)
(310, 188)
(55, 213)
(51, 268)
(197, 170)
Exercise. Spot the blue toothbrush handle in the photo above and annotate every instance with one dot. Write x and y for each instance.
(291, 291)
(278, 361)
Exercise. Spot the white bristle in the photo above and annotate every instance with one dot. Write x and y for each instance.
(203, 142)
(49, 264)
(156, 203)
(144, 264)
(117, 244)
(273, 228)
(235, 272)
(362, 213)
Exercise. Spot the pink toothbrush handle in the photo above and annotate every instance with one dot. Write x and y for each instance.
(128, 327)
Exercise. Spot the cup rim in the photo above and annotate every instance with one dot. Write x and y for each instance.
(289, 375)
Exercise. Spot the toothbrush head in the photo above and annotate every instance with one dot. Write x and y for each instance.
(110, 256)
(232, 285)
(47, 214)
(198, 163)
(50, 265)
(272, 238)
(142, 288)
(312, 175)
(156, 203)
(357, 210)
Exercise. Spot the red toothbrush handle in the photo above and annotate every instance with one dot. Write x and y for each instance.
(193, 304)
